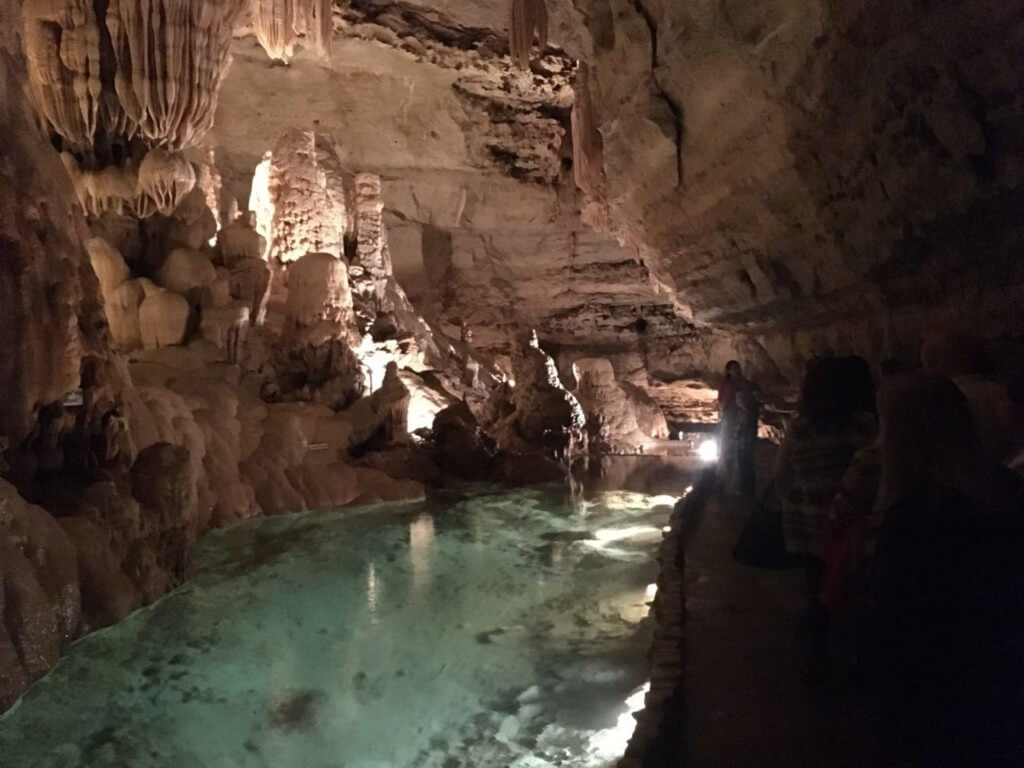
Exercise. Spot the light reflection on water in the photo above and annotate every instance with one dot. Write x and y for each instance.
(421, 539)
(372, 591)
(499, 630)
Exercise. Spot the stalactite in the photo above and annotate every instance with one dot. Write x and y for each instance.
(165, 179)
(529, 23)
(62, 54)
(116, 79)
(168, 60)
(171, 56)
(587, 149)
(280, 24)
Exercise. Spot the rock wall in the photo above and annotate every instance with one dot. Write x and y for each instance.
(812, 176)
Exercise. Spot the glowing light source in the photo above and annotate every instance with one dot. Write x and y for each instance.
(652, 590)
(708, 450)
(666, 529)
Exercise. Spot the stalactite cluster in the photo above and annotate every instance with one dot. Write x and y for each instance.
(171, 56)
(279, 25)
(119, 80)
(529, 23)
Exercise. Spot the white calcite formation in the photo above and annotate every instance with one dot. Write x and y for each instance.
(544, 413)
(611, 414)
(239, 240)
(172, 104)
(319, 297)
(184, 270)
(281, 24)
(108, 264)
(163, 317)
(249, 281)
(163, 63)
(302, 207)
(165, 179)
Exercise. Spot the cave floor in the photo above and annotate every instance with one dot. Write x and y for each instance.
(747, 703)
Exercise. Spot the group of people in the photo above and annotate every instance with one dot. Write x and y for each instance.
(905, 504)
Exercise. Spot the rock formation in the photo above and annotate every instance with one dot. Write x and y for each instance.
(308, 285)
(119, 78)
(280, 24)
(611, 416)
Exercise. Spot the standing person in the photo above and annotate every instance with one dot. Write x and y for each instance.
(948, 616)
(830, 426)
(739, 402)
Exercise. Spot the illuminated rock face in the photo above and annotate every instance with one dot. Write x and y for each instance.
(610, 413)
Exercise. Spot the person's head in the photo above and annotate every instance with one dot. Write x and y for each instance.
(951, 354)
(928, 437)
(834, 390)
(733, 370)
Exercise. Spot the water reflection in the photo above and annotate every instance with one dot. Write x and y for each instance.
(372, 592)
(511, 636)
(421, 542)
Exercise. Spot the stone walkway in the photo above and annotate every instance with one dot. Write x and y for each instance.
(746, 700)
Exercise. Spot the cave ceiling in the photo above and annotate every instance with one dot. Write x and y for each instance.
(475, 156)
(795, 175)
(780, 168)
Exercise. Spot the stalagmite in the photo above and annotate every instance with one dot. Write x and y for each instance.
(250, 281)
(185, 269)
(163, 318)
(319, 295)
(529, 23)
(261, 202)
(107, 263)
(611, 415)
(239, 240)
(211, 183)
(293, 198)
(372, 262)
(280, 24)
(226, 328)
(122, 308)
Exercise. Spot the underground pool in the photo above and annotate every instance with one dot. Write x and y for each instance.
(482, 628)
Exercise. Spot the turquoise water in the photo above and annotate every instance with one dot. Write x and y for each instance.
(493, 629)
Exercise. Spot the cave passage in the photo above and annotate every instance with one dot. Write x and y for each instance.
(489, 628)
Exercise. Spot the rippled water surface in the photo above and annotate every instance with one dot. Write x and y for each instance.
(488, 628)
